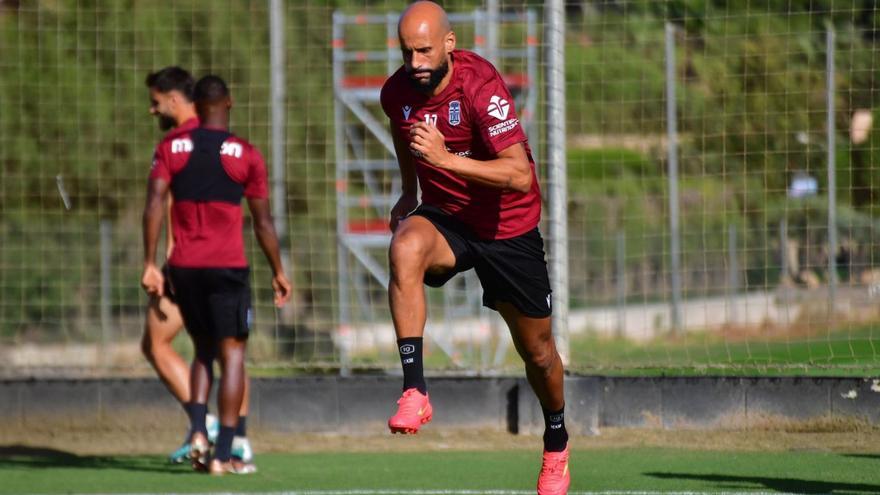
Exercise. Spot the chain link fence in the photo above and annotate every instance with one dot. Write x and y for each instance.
(709, 178)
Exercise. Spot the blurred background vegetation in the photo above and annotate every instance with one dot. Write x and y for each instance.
(751, 103)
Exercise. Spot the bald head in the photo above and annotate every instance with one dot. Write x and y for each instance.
(424, 16)
(426, 41)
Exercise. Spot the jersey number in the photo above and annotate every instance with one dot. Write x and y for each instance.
(431, 119)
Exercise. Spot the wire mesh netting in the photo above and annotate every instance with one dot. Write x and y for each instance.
(739, 239)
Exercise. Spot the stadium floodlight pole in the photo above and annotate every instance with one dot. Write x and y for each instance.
(556, 173)
(832, 183)
(672, 155)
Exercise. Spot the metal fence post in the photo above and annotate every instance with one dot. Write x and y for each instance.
(279, 111)
(556, 147)
(672, 150)
(832, 182)
(785, 279)
(106, 252)
(342, 266)
(492, 27)
(278, 82)
(621, 284)
(732, 275)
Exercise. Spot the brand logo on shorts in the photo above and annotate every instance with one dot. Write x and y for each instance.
(549, 305)
(249, 318)
(407, 349)
(454, 112)
(406, 110)
(498, 107)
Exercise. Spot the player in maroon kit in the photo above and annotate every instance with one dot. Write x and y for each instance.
(457, 136)
(208, 170)
(171, 103)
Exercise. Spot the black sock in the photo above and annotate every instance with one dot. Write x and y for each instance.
(555, 436)
(223, 447)
(410, 350)
(196, 413)
(241, 429)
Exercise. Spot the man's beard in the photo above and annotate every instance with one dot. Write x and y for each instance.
(436, 76)
(166, 123)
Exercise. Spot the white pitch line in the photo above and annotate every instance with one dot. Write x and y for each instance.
(467, 492)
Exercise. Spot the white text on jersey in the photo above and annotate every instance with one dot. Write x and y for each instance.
(231, 149)
(183, 145)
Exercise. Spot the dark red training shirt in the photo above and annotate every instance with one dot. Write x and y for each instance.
(208, 233)
(476, 115)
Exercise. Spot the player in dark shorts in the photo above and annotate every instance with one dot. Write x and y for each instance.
(208, 170)
(457, 136)
(171, 103)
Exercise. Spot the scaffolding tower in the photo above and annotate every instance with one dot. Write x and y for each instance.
(367, 174)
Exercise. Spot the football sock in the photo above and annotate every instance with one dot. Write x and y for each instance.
(241, 429)
(196, 413)
(555, 436)
(223, 447)
(410, 349)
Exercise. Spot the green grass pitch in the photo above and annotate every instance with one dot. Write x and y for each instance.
(607, 471)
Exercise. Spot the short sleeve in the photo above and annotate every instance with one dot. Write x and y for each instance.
(385, 97)
(161, 168)
(257, 185)
(495, 115)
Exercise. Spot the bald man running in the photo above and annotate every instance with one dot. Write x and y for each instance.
(457, 136)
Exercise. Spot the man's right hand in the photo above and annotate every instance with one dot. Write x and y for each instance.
(153, 281)
(405, 205)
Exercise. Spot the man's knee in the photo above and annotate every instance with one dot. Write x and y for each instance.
(147, 347)
(541, 354)
(407, 254)
(232, 348)
(155, 343)
(205, 355)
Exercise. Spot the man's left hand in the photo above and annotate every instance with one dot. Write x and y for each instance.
(153, 281)
(430, 143)
(283, 289)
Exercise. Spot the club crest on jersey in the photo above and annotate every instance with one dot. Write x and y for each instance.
(454, 112)
(406, 110)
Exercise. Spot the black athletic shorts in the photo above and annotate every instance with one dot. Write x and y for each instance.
(168, 287)
(510, 270)
(215, 302)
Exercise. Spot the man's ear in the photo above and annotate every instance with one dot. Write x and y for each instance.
(228, 102)
(176, 98)
(450, 41)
